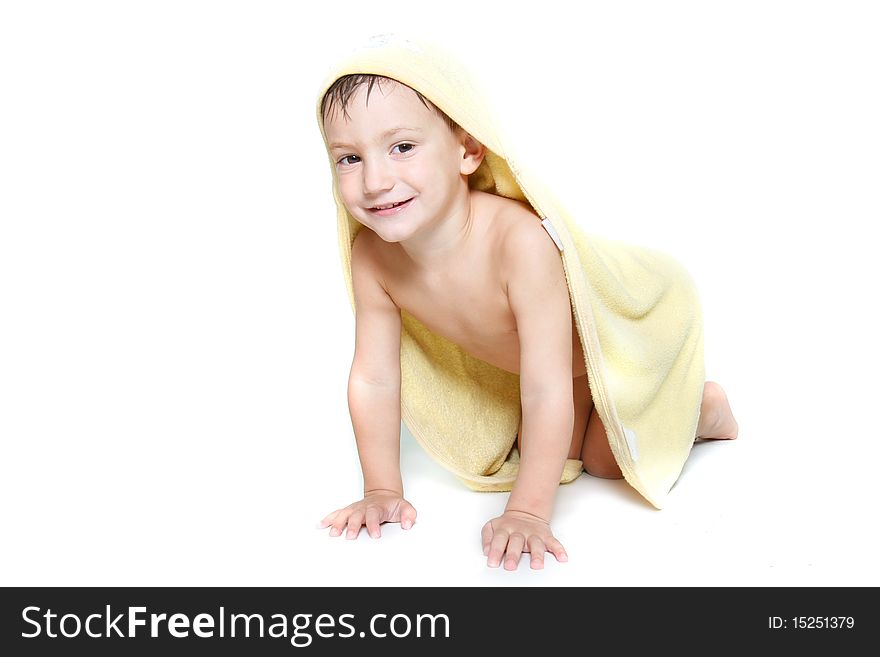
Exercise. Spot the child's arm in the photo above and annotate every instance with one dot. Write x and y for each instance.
(539, 298)
(374, 401)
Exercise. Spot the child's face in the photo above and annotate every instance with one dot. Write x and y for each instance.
(424, 162)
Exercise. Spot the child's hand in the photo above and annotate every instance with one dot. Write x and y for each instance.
(515, 532)
(376, 507)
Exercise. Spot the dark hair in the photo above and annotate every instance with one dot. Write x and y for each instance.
(341, 91)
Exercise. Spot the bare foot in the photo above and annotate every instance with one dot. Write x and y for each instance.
(716, 418)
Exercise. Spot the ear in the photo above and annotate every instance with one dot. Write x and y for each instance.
(472, 153)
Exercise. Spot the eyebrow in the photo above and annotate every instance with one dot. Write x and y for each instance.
(387, 133)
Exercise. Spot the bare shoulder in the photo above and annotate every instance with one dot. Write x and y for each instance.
(368, 266)
(525, 246)
(364, 246)
(370, 252)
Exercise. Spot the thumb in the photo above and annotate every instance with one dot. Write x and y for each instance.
(407, 515)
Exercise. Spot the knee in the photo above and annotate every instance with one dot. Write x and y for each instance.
(603, 468)
(598, 459)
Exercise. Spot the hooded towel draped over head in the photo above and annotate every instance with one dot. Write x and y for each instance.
(636, 310)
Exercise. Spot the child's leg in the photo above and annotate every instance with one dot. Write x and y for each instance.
(596, 455)
(716, 419)
(583, 406)
(716, 423)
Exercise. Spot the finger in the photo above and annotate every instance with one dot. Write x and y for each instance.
(355, 520)
(407, 516)
(514, 551)
(338, 524)
(496, 548)
(373, 519)
(327, 520)
(536, 549)
(556, 548)
(486, 537)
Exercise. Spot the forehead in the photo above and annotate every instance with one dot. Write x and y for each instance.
(390, 106)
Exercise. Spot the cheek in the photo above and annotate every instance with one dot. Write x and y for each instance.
(348, 190)
(423, 177)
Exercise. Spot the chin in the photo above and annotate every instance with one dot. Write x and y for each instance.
(392, 230)
(390, 236)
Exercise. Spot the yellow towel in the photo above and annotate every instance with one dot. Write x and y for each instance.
(636, 310)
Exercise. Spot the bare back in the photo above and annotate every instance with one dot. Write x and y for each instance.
(468, 304)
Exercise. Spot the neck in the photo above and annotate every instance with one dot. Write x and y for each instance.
(438, 246)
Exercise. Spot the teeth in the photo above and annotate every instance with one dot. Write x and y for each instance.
(390, 205)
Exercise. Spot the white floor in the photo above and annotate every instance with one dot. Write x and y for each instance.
(778, 507)
(742, 513)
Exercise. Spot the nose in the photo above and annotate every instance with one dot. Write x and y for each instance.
(377, 176)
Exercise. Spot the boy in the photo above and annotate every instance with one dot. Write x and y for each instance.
(478, 269)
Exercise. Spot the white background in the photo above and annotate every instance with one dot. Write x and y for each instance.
(175, 335)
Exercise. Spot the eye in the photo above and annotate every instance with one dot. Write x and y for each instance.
(342, 160)
(407, 150)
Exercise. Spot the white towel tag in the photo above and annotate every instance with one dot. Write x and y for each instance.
(551, 231)
(631, 443)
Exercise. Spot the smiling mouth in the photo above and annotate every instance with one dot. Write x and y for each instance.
(391, 208)
(388, 206)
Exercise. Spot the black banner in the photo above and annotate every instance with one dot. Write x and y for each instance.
(187, 621)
